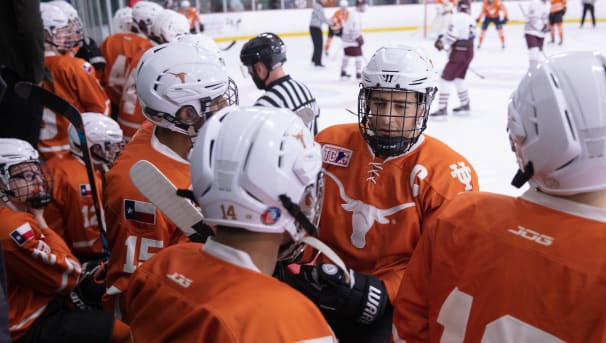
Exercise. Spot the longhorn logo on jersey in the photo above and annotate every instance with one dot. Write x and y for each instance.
(336, 155)
(462, 172)
(364, 215)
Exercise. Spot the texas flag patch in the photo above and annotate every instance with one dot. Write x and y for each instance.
(141, 211)
(22, 234)
(88, 68)
(336, 155)
(85, 190)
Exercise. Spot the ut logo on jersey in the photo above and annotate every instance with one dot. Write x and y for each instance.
(180, 279)
(463, 173)
(532, 235)
(364, 215)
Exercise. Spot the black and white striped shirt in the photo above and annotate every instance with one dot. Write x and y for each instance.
(286, 92)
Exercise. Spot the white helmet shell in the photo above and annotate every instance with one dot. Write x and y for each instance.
(169, 25)
(185, 4)
(100, 130)
(144, 14)
(53, 20)
(123, 20)
(179, 74)
(557, 124)
(203, 41)
(343, 3)
(12, 152)
(244, 161)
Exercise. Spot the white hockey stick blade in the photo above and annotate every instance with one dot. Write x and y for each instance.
(152, 183)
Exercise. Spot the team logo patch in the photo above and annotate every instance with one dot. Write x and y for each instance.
(85, 190)
(22, 234)
(270, 216)
(141, 211)
(88, 68)
(336, 155)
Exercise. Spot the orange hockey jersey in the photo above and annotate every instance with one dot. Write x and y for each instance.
(211, 295)
(557, 5)
(136, 230)
(121, 50)
(192, 17)
(492, 10)
(74, 80)
(374, 208)
(39, 266)
(338, 18)
(500, 269)
(71, 212)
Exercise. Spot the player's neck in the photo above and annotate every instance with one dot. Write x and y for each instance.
(177, 142)
(275, 74)
(261, 247)
(595, 199)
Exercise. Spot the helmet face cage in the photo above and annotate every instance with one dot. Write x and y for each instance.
(29, 183)
(190, 117)
(105, 153)
(392, 120)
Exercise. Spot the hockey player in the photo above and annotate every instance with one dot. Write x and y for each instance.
(535, 28)
(122, 51)
(41, 270)
(130, 116)
(72, 79)
(444, 11)
(179, 86)
(491, 12)
(169, 25)
(353, 40)
(556, 16)
(372, 225)
(71, 213)
(336, 24)
(264, 57)
(271, 156)
(497, 268)
(122, 21)
(458, 40)
(193, 17)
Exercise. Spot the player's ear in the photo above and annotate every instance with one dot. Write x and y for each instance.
(261, 70)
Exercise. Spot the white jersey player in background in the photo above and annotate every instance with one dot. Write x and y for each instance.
(353, 40)
(444, 11)
(458, 41)
(535, 29)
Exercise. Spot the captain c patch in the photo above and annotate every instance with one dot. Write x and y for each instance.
(336, 155)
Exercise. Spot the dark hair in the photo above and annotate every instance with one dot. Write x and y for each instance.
(266, 48)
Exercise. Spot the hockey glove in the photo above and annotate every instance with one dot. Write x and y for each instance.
(504, 21)
(564, 10)
(360, 41)
(439, 44)
(363, 299)
(91, 286)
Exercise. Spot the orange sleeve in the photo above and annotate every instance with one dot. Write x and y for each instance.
(91, 96)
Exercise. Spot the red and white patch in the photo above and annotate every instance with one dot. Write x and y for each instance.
(88, 68)
(22, 234)
(336, 155)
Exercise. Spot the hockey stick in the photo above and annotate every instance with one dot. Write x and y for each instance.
(57, 104)
(229, 46)
(152, 183)
(476, 73)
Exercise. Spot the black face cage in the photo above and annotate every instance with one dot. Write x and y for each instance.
(393, 144)
(230, 96)
(37, 189)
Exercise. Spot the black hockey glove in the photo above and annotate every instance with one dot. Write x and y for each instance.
(364, 299)
(439, 44)
(504, 21)
(91, 286)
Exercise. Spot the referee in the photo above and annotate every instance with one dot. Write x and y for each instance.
(264, 56)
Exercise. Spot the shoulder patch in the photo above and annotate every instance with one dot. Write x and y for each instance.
(22, 234)
(85, 190)
(336, 155)
(140, 211)
(88, 68)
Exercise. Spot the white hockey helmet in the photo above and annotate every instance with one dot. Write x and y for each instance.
(123, 20)
(396, 69)
(250, 167)
(343, 3)
(180, 85)
(169, 25)
(103, 135)
(14, 152)
(557, 124)
(144, 14)
(76, 25)
(56, 27)
(203, 41)
(185, 4)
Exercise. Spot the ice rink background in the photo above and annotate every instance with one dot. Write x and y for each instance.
(481, 137)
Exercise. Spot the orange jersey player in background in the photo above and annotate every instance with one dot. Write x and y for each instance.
(193, 17)
(496, 268)
(71, 212)
(167, 77)
(41, 271)
(383, 177)
(556, 16)
(336, 24)
(258, 230)
(121, 50)
(72, 78)
(491, 12)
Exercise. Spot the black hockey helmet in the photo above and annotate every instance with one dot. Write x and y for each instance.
(266, 48)
(464, 6)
